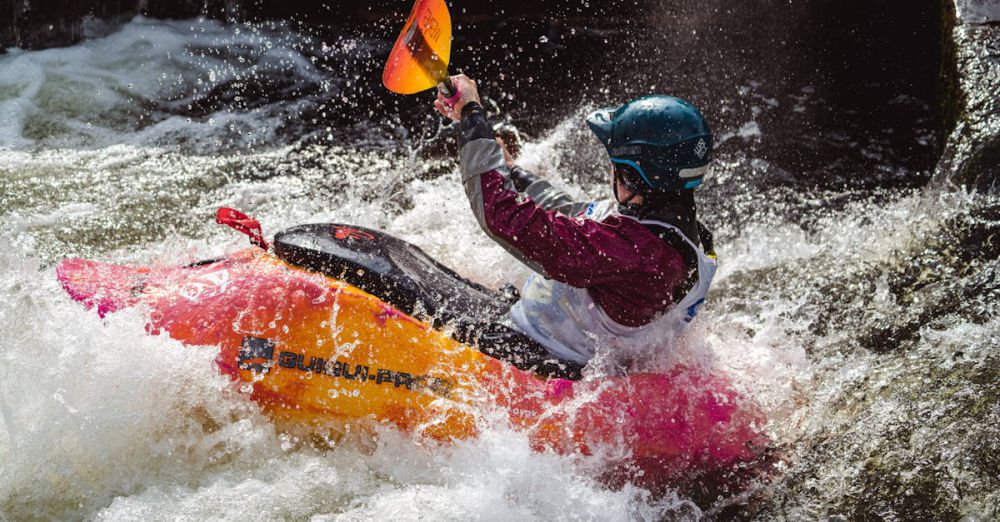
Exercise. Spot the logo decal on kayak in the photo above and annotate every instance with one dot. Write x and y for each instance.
(352, 233)
(206, 285)
(256, 355)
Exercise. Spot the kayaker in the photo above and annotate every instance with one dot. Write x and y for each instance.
(617, 276)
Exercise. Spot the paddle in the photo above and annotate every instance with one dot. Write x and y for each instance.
(419, 59)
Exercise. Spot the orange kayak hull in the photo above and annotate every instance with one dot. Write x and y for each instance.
(322, 356)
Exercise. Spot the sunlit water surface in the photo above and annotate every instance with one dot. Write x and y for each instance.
(121, 148)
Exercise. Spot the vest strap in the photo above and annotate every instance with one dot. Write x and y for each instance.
(687, 249)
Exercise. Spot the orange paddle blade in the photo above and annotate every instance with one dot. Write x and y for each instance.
(419, 60)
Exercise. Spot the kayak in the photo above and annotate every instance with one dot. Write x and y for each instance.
(341, 328)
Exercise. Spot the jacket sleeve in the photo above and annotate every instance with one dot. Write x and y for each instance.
(578, 252)
(550, 198)
(474, 126)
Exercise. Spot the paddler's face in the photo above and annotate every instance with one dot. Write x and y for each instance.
(621, 192)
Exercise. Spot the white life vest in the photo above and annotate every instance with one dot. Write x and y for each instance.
(572, 326)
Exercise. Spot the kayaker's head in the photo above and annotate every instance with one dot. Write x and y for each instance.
(660, 147)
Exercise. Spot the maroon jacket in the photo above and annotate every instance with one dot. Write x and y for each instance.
(631, 272)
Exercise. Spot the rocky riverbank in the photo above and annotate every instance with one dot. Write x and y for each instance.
(972, 83)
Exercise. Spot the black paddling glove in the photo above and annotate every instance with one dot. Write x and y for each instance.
(522, 178)
(474, 124)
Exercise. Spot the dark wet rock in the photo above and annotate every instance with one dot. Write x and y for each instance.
(978, 11)
(957, 277)
(954, 276)
(972, 82)
(34, 25)
(968, 299)
(913, 438)
(40, 24)
(905, 421)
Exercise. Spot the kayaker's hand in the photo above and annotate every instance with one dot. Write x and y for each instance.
(467, 92)
(507, 157)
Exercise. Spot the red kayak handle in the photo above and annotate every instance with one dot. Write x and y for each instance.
(235, 219)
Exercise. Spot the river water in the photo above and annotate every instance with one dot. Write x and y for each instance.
(855, 303)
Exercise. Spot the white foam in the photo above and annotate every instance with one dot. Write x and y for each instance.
(748, 130)
(978, 11)
(102, 421)
(863, 231)
(109, 90)
(97, 410)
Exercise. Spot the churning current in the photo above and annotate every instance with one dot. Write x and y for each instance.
(854, 302)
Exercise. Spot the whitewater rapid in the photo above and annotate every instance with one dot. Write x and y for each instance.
(109, 150)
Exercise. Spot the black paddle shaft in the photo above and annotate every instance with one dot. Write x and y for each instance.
(447, 88)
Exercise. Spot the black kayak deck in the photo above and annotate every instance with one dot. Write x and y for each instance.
(402, 275)
(397, 272)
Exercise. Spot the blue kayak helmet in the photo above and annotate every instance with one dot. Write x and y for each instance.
(657, 143)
